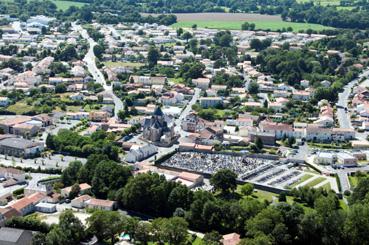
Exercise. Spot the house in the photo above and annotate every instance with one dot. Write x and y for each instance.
(316, 133)
(140, 152)
(301, 95)
(13, 236)
(191, 180)
(101, 204)
(266, 137)
(79, 202)
(84, 188)
(25, 129)
(20, 147)
(98, 116)
(24, 206)
(343, 134)
(231, 239)
(12, 173)
(7, 213)
(201, 83)
(4, 101)
(280, 130)
(7, 124)
(147, 80)
(211, 102)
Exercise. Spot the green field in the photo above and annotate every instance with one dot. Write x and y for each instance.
(20, 108)
(260, 25)
(64, 5)
(315, 182)
(323, 3)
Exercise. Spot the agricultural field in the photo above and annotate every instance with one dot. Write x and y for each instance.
(64, 5)
(234, 21)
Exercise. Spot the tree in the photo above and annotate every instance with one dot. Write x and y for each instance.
(153, 56)
(259, 143)
(171, 230)
(39, 239)
(224, 180)
(72, 227)
(247, 189)
(253, 88)
(98, 51)
(50, 141)
(212, 238)
(106, 224)
(143, 232)
(186, 36)
(57, 237)
(179, 32)
(70, 174)
(60, 88)
(180, 197)
(291, 141)
(74, 191)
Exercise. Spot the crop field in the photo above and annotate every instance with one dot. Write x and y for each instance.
(234, 21)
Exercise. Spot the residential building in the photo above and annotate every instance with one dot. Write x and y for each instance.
(20, 147)
(140, 152)
(210, 102)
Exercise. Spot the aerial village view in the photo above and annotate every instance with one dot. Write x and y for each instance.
(184, 122)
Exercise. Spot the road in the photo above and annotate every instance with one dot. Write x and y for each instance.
(343, 117)
(90, 60)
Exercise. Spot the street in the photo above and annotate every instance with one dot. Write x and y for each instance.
(90, 60)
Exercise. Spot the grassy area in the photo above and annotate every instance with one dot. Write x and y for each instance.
(353, 181)
(64, 5)
(197, 241)
(176, 80)
(302, 179)
(20, 108)
(315, 182)
(73, 108)
(112, 64)
(260, 25)
(327, 186)
(264, 195)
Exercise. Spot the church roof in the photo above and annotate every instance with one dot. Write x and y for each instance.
(158, 111)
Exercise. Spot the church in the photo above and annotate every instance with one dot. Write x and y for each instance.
(157, 130)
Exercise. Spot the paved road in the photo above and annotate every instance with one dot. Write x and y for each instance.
(343, 117)
(95, 72)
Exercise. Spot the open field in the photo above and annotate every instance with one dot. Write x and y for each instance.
(322, 2)
(260, 25)
(62, 4)
(234, 21)
(111, 64)
(20, 108)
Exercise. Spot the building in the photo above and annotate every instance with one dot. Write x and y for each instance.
(44, 207)
(12, 173)
(20, 147)
(346, 160)
(84, 188)
(13, 236)
(231, 239)
(147, 80)
(101, 204)
(140, 152)
(324, 158)
(207, 102)
(157, 130)
(99, 116)
(79, 202)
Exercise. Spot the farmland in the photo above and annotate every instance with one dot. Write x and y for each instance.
(63, 4)
(231, 21)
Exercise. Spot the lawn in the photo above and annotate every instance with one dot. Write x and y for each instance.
(315, 182)
(176, 80)
(327, 186)
(260, 25)
(353, 181)
(302, 179)
(112, 64)
(20, 108)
